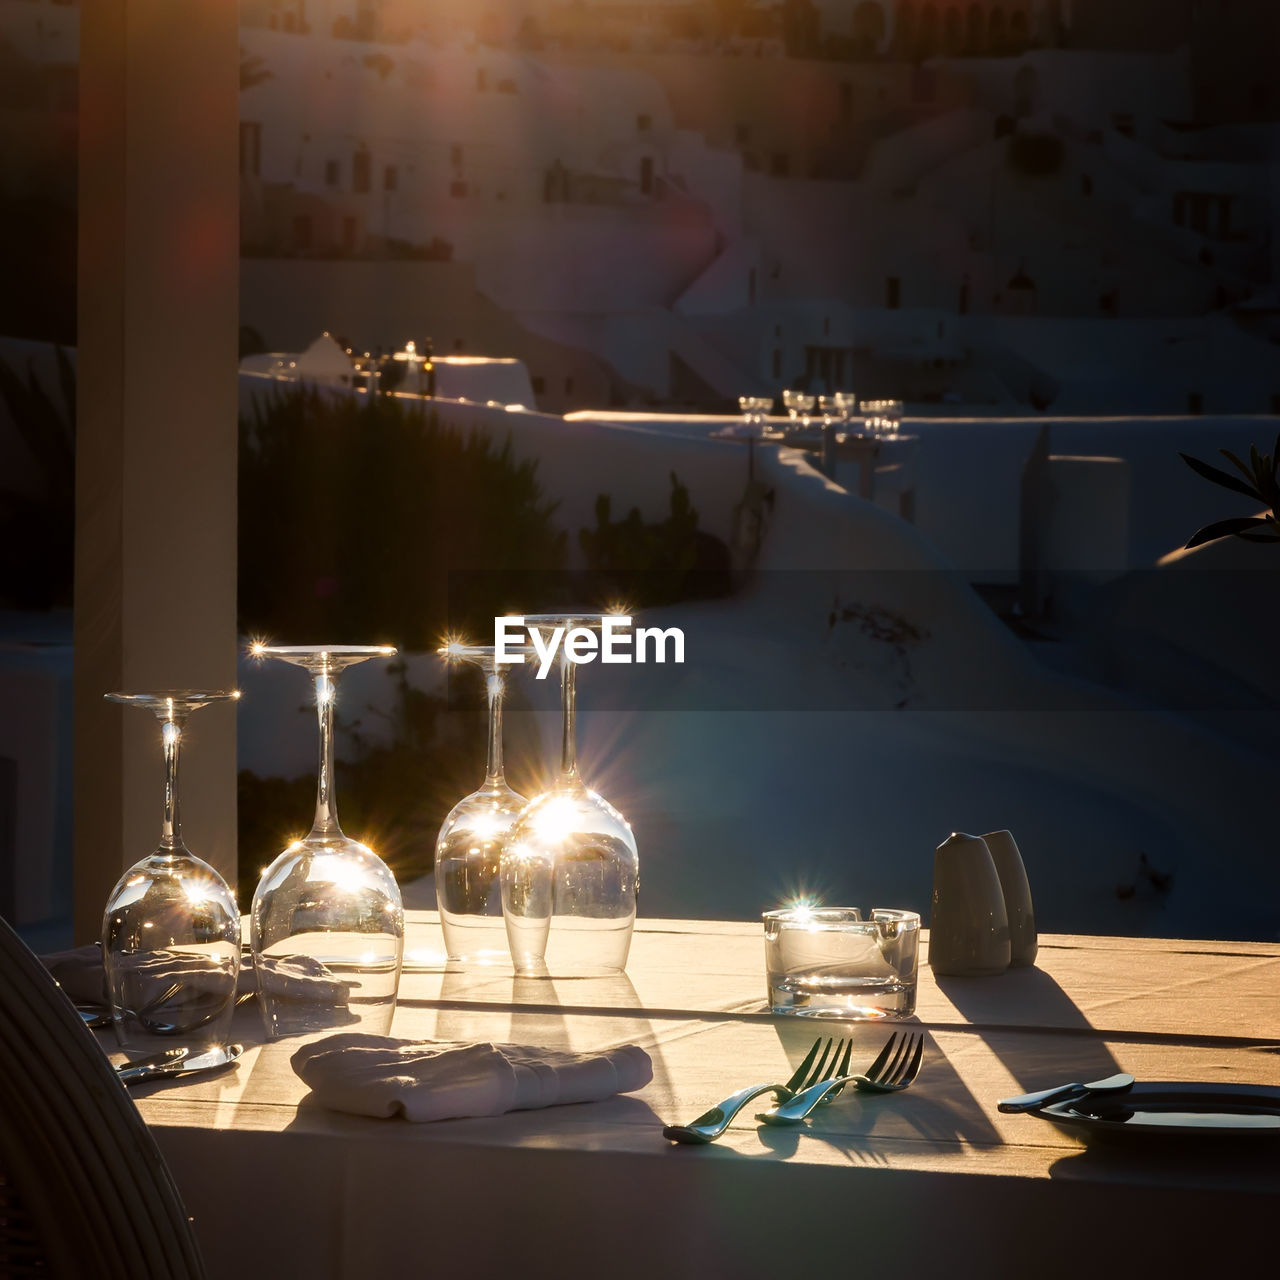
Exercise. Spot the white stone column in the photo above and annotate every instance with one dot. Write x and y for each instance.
(155, 594)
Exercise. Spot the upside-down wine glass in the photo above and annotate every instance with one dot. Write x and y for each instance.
(469, 846)
(754, 411)
(789, 399)
(570, 870)
(846, 402)
(892, 410)
(171, 929)
(804, 404)
(327, 924)
(871, 412)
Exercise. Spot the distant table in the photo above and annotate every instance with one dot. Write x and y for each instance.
(874, 456)
(930, 1181)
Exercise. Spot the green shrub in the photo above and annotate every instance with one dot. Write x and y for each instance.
(356, 514)
(653, 564)
(393, 789)
(365, 520)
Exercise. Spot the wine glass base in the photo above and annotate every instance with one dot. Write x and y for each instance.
(171, 953)
(569, 973)
(475, 939)
(575, 947)
(328, 981)
(424, 960)
(177, 997)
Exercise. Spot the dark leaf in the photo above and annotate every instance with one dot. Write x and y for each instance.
(1259, 537)
(1225, 528)
(1225, 479)
(1239, 466)
(1267, 484)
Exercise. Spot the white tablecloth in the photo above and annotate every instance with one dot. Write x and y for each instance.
(929, 1180)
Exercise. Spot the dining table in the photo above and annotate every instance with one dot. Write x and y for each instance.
(932, 1180)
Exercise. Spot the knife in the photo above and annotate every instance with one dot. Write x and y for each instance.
(1034, 1101)
(177, 1061)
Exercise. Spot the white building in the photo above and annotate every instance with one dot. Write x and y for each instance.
(720, 222)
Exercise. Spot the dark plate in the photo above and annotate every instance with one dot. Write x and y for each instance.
(1165, 1109)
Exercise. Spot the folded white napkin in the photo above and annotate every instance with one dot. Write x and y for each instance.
(424, 1080)
(79, 973)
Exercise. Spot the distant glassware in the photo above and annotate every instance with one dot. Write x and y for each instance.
(171, 929)
(846, 402)
(800, 406)
(469, 846)
(327, 919)
(570, 869)
(892, 413)
(804, 407)
(883, 418)
(754, 410)
(829, 410)
(790, 402)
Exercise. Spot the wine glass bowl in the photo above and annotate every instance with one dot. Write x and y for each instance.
(754, 411)
(469, 845)
(328, 933)
(569, 867)
(571, 858)
(171, 927)
(804, 407)
(846, 402)
(893, 415)
(327, 922)
(884, 418)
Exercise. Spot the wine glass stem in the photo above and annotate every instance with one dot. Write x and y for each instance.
(493, 770)
(569, 741)
(326, 822)
(171, 831)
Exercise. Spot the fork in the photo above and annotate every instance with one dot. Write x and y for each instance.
(711, 1124)
(885, 1075)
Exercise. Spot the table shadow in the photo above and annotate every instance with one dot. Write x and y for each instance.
(1246, 1164)
(985, 1002)
(856, 1148)
(539, 1012)
(939, 1107)
(625, 1110)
